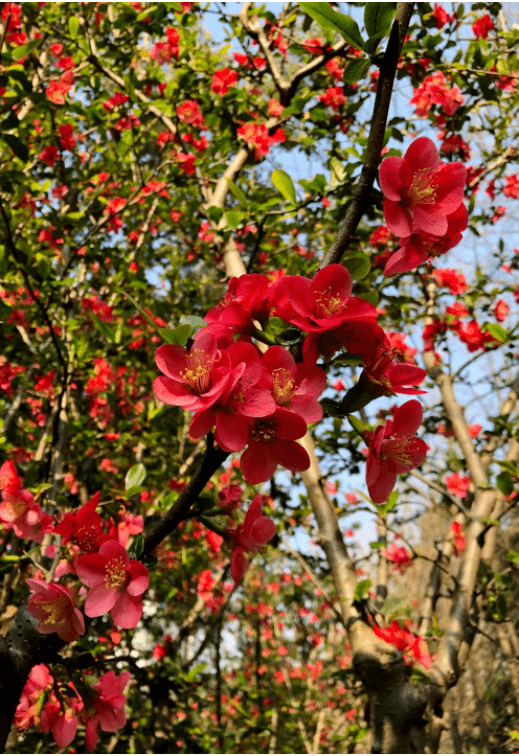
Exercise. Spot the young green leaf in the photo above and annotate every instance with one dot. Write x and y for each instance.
(330, 19)
(284, 185)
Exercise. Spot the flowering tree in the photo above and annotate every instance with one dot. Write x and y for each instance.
(185, 322)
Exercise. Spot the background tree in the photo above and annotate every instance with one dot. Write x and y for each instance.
(146, 159)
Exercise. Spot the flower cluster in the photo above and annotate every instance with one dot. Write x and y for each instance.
(423, 204)
(101, 562)
(94, 704)
(261, 404)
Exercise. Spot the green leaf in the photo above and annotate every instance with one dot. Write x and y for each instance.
(237, 192)
(513, 556)
(18, 147)
(505, 483)
(498, 332)
(233, 218)
(284, 185)
(355, 70)
(378, 18)
(193, 320)
(178, 335)
(73, 26)
(358, 266)
(135, 476)
(361, 589)
(215, 213)
(330, 19)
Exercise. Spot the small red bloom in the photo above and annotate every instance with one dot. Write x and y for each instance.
(458, 484)
(401, 558)
(255, 531)
(116, 584)
(483, 27)
(223, 80)
(459, 537)
(392, 449)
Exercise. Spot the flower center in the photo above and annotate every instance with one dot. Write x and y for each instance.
(197, 375)
(422, 191)
(284, 388)
(116, 577)
(52, 611)
(326, 305)
(16, 506)
(87, 538)
(265, 431)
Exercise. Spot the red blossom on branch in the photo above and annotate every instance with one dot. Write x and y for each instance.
(393, 449)
(249, 537)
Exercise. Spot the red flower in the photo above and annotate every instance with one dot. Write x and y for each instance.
(295, 387)
(419, 247)
(317, 304)
(420, 190)
(83, 527)
(392, 449)
(483, 26)
(49, 155)
(272, 443)
(451, 279)
(255, 531)
(105, 706)
(116, 584)
(459, 537)
(223, 80)
(194, 380)
(333, 97)
(400, 556)
(242, 399)
(458, 484)
(501, 310)
(52, 604)
(413, 647)
(441, 16)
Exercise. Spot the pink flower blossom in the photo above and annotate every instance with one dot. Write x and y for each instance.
(116, 584)
(193, 380)
(392, 449)
(249, 537)
(420, 190)
(52, 604)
